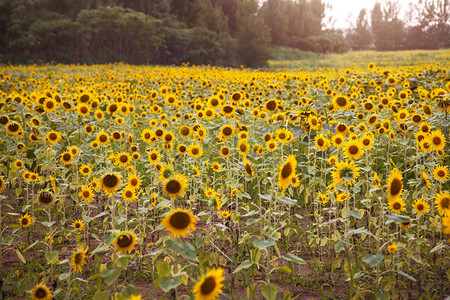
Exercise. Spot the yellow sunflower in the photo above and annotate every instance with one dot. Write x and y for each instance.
(248, 168)
(129, 194)
(321, 142)
(376, 180)
(110, 182)
(66, 157)
(243, 148)
(102, 138)
(287, 170)
(125, 241)
(52, 137)
(45, 198)
(79, 259)
(179, 222)
(209, 286)
(134, 181)
(78, 225)
(353, 149)
(85, 170)
(442, 203)
(41, 292)
(338, 140)
(394, 185)
(195, 150)
(122, 159)
(440, 173)
(341, 102)
(14, 128)
(86, 193)
(175, 185)
(421, 206)
(397, 205)
(25, 221)
(2, 184)
(426, 180)
(437, 140)
(226, 132)
(392, 248)
(345, 172)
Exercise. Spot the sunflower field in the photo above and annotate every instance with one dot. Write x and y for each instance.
(200, 182)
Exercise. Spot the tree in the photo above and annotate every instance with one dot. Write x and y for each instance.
(360, 37)
(387, 28)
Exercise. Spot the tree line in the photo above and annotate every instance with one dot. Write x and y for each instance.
(217, 32)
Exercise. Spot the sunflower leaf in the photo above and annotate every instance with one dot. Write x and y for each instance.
(355, 213)
(398, 218)
(269, 291)
(166, 283)
(244, 265)
(294, 258)
(372, 260)
(263, 244)
(183, 248)
(437, 248)
(110, 275)
(102, 295)
(51, 256)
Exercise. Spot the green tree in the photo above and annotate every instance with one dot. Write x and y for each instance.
(360, 37)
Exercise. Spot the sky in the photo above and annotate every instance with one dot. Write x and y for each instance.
(343, 11)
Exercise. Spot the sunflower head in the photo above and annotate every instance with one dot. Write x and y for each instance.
(110, 182)
(125, 241)
(45, 198)
(175, 185)
(179, 222)
(41, 292)
(394, 185)
(210, 285)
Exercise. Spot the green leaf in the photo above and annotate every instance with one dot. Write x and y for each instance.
(382, 296)
(110, 275)
(356, 231)
(183, 248)
(294, 258)
(339, 246)
(7, 240)
(398, 218)
(163, 268)
(265, 197)
(438, 247)
(64, 276)
(269, 291)
(129, 291)
(100, 249)
(263, 244)
(51, 256)
(123, 261)
(406, 275)
(284, 269)
(20, 256)
(372, 260)
(355, 213)
(167, 283)
(287, 200)
(99, 295)
(251, 213)
(244, 265)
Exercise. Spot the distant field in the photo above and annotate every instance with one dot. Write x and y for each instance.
(293, 59)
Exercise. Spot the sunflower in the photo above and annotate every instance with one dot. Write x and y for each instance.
(125, 241)
(338, 140)
(341, 128)
(175, 185)
(353, 149)
(209, 286)
(287, 170)
(14, 128)
(226, 132)
(122, 159)
(66, 157)
(392, 248)
(216, 166)
(79, 259)
(394, 185)
(110, 182)
(41, 292)
(228, 110)
(425, 127)
(153, 156)
(86, 193)
(376, 180)
(373, 120)
(437, 140)
(134, 181)
(345, 172)
(78, 225)
(367, 141)
(323, 198)
(45, 198)
(442, 202)
(341, 197)
(421, 206)
(25, 221)
(397, 205)
(129, 194)
(314, 122)
(427, 181)
(441, 173)
(179, 222)
(341, 102)
(210, 192)
(321, 142)
(117, 136)
(102, 138)
(85, 170)
(332, 159)
(243, 148)
(195, 150)
(248, 168)
(83, 110)
(271, 145)
(224, 151)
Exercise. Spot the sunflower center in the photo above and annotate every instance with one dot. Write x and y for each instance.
(123, 158)
(225, 151)
(133, 182)
(208, 285)
(372, 120)
(24, 221)
(110, 180)
(286, 171)
(124, 240)
(194, 151)
(180, 220)
(248, 169)
(41, 293)
(129, 194)
(14, 127)
(271, 105)
(441, 173)
(103, 138)
(353, 149)
(396, 186)
(397, 205)
(314, 122)
(50, 104)
(86, 194)
(78, 258)
(84, 109)
(168, 138)
(214, 102)
(437, 140)
(445, 203)
(67, 157)
(173, 186)
(159, 132)
(420, 207)
(153, 156)
(227, 131)
(366, 142)
(113, 108)
(417, 118)
(184, 131)
(116, 135)
(341, 101)
(228, 109)
(243, 147)
(320, 142)
(45, 198)
(342, 128)
(85, 170)
(282, 136)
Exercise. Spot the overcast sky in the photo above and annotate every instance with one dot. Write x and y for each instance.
(345, 12)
